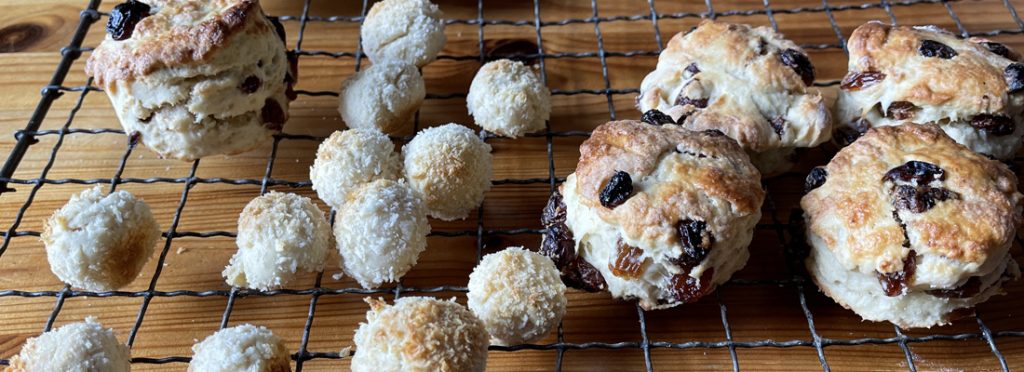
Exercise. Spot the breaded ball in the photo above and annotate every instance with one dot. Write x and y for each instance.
(518, 294)
(383, 97)
(241, 348)
(420, 334)
(507, 98)
(278, 235)
(350, 158)
(381, 231)
(451, 167)
(84, 346)
(100, 242)
(403, 30)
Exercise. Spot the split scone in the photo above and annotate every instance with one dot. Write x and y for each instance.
(969, 88)
(908, 226)
(84, 346)
(747, 82)
(660, 214)
(194, 78)
(241, 348)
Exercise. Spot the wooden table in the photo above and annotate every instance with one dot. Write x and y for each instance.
(32, 32)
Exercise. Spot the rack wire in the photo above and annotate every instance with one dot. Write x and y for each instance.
(789, 233)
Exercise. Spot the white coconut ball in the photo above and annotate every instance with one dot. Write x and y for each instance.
(350, 158)
(84, 346)
(507, 98)
(278, 235)
(451, 167)
(100, 242)
(383, 97)
(420, 334)
(403, 30)
(381, 232)
(241, 348)
(518, 294)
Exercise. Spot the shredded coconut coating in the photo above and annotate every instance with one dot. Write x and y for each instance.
(351, 158)
(383, 97)
(241, 348)
(450, 167)
(76, 347)
(404, 30)
(508, 98)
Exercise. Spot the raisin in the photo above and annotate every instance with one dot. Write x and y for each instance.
(655, 117)
(696, 102)
(815, 179)
(932, 48)
(696, 242)
(693, 69)
(250, 85)
(1014, 75)
(920, 199)
(580, 274)
(799, 63)
(968, 289)
(713, 133)
(998, 49)
(558, 245)
(859, 80)
(895, 283)
(618, 189)
(554, 211)
(293, 67)
(900, 110)
(778, 124)
(629, 261)
(279, 28)
(997, 125)
(915, 171)
(124, 17)
(686, 289)
(273, 115)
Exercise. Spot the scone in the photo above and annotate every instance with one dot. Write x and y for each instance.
(100, 242)
(241, 348)
(383, 97)
(907, 226)
(450, 167)
(420, 334)
(194, 78)
(410, 31)
(970, 88)
(279, 234)
(85, 346)
(509, 99)
(659, 214)
(747, 82)
(350, 158)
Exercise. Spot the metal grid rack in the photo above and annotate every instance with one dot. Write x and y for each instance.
(788, 232)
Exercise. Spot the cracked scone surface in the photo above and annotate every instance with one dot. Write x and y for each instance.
(420, 334)
(198, 78)
(450, 166)
(518, 295)
(83, 346)
(279, 235)
(683, 220)
(910, 227)
(350, 158)
(100, 242)
(747, 82)
(241, 348)
(383, 97)
(970, 88)
(411, 31)
(508, 98)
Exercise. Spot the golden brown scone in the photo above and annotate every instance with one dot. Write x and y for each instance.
(747, 82)
(970, 88)
(660, 214)
(908, 226)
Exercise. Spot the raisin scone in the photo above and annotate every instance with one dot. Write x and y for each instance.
(970, 88)
(747, 82)
(84, 346)
(907, 226)
(660, 214)
(195, 78)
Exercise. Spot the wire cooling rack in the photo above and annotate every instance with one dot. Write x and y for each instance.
(789, 233)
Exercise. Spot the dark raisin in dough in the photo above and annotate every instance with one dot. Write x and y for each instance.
(998, 49)
(895, 283)
(919, 172)
(279, 28)
(580, 274)
(778, 124)
(250, 85)
(696, 242)
(997, 125)
(656, 117)
(273, 115)
(799, 63)
(969, 289)
(1014, 75)
(618, 189)
(932, 49)
(696, 102)
(860, 80)
(901, 110)
(815, 179)
(686, 289)
(693, 69)
(921, 198)
(124, 17)
(714, 133)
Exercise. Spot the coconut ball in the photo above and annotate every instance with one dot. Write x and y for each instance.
(350, 158)
(84, 346)
(241, 348)
(518, 294)
(100, 242)
(278, 235)
(507, 98)
(420, 334)
(403, 30)
(451, 167)
(383, 97)
(381, 232)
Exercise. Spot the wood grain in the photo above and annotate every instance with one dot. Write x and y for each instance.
(33, 31)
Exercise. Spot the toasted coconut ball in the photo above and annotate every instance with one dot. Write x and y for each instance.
(451, 167)
(100, 242)
(278, 235)
(383, 97)
(403, 30)
(420, 334)
(241, 348)
(518, 294)
(85, 346)
(507, 98)
(350, 158)
(381, 232)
